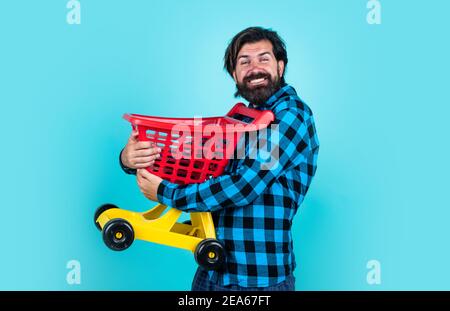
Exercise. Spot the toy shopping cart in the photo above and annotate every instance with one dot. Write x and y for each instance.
(192, 150)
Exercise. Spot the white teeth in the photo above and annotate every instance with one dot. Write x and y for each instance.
(257, 81)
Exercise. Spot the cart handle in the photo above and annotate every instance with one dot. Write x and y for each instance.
(261, 118)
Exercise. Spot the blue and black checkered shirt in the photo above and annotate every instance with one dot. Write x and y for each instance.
(253, 208)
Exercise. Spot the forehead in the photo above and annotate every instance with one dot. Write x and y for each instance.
(256, 48)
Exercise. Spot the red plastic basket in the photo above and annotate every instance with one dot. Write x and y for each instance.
(193, 150)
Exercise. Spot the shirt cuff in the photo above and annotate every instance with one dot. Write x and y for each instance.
(166, 192)
(127, 170)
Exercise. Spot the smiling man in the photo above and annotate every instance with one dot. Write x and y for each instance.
(253, 208)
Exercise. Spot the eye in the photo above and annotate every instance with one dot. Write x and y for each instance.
(244, 62)
(264, 59)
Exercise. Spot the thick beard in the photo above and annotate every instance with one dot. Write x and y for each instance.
(259, 95)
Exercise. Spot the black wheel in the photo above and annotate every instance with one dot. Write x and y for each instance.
(100, 210)
(210, 254)
(118, 234)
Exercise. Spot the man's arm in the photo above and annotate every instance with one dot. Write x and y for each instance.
(297, 144)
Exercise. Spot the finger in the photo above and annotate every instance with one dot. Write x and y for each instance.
(146, 174)
(144, 165)
(134, 136)
(143, 145)
(147, 152)
(141, 181)
(143, 159)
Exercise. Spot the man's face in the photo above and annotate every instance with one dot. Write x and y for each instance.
(257, 74)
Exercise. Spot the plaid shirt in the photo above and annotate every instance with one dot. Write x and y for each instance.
(253, 208)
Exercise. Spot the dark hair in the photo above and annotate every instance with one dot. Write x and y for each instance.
(252, 35)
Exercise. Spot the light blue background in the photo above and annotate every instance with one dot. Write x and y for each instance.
(379, 94)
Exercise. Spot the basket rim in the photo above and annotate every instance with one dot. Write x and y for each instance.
(261, 120)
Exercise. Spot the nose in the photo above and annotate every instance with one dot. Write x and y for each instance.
(254, 64)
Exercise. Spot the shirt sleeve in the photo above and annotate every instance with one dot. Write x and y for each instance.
(292, 142)
(126, 169)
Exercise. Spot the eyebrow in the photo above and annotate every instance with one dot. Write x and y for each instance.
(260, 54)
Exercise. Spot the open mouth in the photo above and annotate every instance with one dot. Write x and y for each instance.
(257, 81)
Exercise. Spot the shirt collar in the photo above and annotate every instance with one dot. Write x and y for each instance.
(274, 99)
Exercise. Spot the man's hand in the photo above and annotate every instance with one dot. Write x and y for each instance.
(139, 154)
(148, 183)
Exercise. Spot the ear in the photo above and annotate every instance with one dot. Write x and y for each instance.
(280, 68)
(234, 76)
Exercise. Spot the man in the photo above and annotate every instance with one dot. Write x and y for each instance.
(253, 208)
